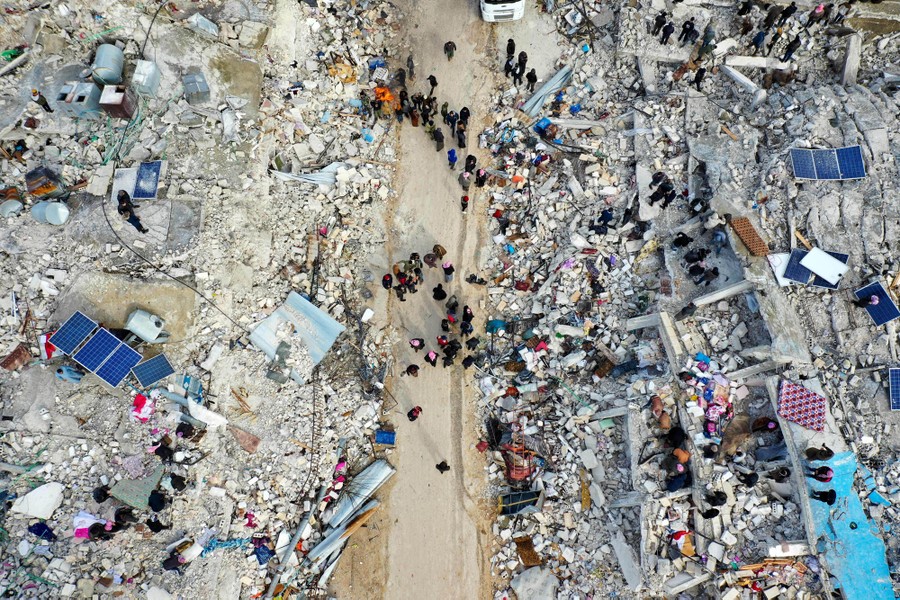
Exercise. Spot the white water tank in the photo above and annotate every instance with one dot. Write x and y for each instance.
(108, 64)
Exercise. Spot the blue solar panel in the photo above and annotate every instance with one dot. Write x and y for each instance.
(794, 270)
(894, 378)
(850, 161)
(119, 364)
(826, 164)
(97, 349)
(822, 283)
(804, 167)
(840, 163)
(147, 180)
(150, 371)
(74, 331)
(883, 312)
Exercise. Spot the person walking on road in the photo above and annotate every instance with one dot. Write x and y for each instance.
(510, 48)
(464, 115)
(442, 466)
(411, 370)
(410, 68)
(438, 292)
(452, 158)
(432, 80)
(413, 414)
(438, 136)
(464, 203)
(448, 271)
(532, 79)
(509, 67)
(431, 358)
(417, 344)
(439, 251)
(517, 74)
(523, 60)
(449, 49)
(461, 134)
(465, 180)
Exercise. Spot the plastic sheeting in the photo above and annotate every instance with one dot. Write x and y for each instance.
(316, 329)
(359, 490)
(326, 177)
(534, 104)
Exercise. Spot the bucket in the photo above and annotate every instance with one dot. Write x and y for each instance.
(10, 208)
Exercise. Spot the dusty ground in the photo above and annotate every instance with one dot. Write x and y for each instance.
(429, 540)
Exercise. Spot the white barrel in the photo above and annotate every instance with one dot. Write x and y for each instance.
(108, 64)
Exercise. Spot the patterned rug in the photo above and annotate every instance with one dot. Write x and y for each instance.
(802, 406)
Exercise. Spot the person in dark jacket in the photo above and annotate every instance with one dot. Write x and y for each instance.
(667, 32)
(686, 28)
(510, 48)
(464, 114)
(659, 22)
(532, 80)
(438, 136)
(438, 293)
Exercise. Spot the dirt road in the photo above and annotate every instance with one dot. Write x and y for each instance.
(432, 536)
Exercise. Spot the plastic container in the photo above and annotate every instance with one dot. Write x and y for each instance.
(57, 213)
(11, 208)
(39, 212)
(108, 64)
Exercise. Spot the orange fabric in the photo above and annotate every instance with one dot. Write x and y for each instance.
(683, 456)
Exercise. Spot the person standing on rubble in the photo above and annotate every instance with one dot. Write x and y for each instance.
(772, 16)
(449, 50)
(686, 28)
(657, 178)
(39, 99)
(432, 80)
(790, 49)
(779, 31)
(481, 178)
(667, 31)
(758, 40)
(787, 13)
(532, 78)
(708, 277)
(659, 22)
(698, 79)
(815, 15)
(126, 209)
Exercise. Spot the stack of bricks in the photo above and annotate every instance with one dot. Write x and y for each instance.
(745, 230)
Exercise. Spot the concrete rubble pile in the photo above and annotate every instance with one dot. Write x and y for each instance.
(601, 342)
(249, 468)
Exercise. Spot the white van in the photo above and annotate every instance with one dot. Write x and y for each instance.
(494, 11)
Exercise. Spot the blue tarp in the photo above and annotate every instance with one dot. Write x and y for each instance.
(315, 328)
(855, 556)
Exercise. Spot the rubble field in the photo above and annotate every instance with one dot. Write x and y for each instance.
(681, 379)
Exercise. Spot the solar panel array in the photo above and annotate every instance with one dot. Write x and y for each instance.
(883, 312)
(105, 355)
(894, 378)
(822, 283)
(74, 331)
(794, 270)
(150, 371)
(828, 164)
